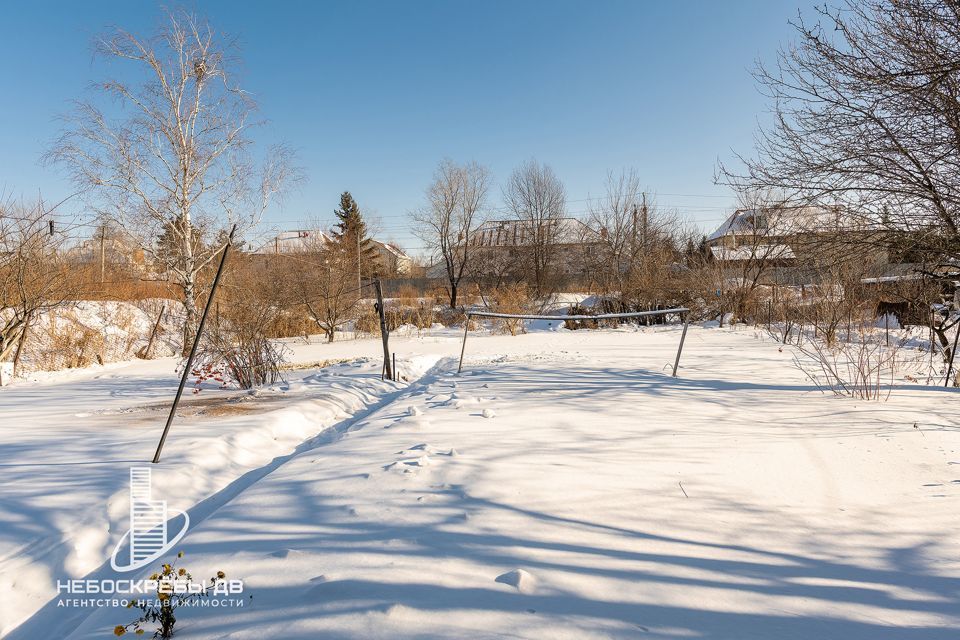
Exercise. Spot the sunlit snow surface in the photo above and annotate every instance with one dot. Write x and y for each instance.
(564, 486)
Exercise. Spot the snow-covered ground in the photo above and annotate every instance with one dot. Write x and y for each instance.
(563, 486)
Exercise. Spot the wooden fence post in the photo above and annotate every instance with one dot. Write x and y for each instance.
(153, 333)
(384, 333)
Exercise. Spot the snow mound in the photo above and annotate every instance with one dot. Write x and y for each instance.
(424, 447)
(489, 413)
(522, 581)
(413, 411)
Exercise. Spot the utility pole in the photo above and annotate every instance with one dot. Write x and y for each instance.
(359, 284)
(384, 334)
(103, 255)
(643, 223)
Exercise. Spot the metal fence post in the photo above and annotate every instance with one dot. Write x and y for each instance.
(683, 336)
(193, 349)
(466, 327)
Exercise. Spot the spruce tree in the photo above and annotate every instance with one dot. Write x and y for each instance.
(351, 235)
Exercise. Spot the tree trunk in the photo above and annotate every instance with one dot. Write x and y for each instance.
(453, 296)
(190, 316)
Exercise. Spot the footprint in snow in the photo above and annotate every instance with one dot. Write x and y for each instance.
(430, 449)
(408, 421)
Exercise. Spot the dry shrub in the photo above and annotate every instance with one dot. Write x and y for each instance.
(418, 314)
(861, 367)
(368, 321)
(421, 315)
(410, 308)
(129, 289)
(580, 310)
(406, 293)
(453, 318)
(64, 343)
(290, 323)
(235, 346)
(127, 333)
(510, 298)
(438, 294)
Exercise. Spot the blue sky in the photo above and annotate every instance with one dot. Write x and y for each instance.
(372, 95)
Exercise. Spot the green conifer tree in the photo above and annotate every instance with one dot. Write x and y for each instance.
(351, 234)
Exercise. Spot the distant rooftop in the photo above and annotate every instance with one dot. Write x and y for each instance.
(508, 233)
(785, 221)
(296, 240)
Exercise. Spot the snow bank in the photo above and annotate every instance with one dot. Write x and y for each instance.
(64, 502)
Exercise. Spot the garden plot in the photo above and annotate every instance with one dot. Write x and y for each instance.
(566, 486)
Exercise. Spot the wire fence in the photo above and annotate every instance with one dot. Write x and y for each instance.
(95, 332)
(683, 312)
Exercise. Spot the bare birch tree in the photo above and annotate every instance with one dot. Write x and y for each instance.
(536, 197)
(173, 163)
(456, 199)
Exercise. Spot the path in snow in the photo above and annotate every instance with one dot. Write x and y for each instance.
(67, 447)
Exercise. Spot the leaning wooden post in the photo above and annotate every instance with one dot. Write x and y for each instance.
(196, 341)
(683, 336)
(466, 327)
(384, 334)
(153, 334)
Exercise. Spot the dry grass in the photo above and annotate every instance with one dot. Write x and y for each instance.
(64, 343)
(510, 298)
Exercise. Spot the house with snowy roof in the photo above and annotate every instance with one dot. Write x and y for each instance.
(783, 235)
(393, 260)
(505, 241)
